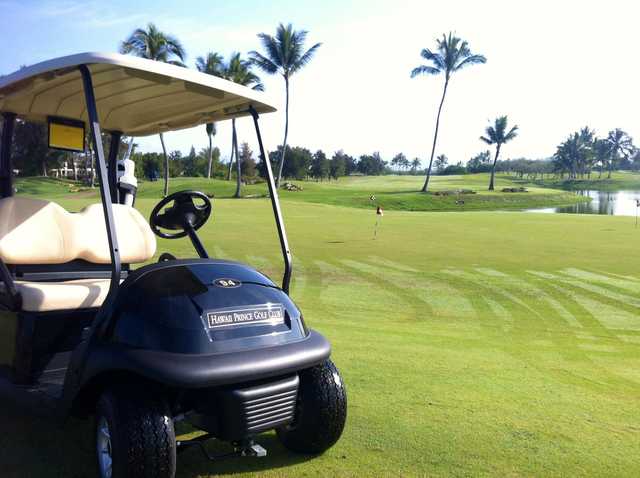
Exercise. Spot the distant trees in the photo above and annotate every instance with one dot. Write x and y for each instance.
(297, 165)
(529, 168)
(149, 165)
(497, 134)
(371, 165)
(440, 163)
(451, 55)
(319, 166)
(285, 55)
(338, 165)
(480, 163)
(400, 162)
(620, 147)
(247, 163)
(31, 154)
(154, 44)
(575, 155)
(453, 169)
(582, 151)
(415, 165)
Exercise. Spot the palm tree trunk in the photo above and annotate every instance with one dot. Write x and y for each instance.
(233, 127)
(73, 165)
(210, 158)
(93, 168)
(238, 165)
(493, 169)
(286, 131)
(435, 137)
(166, 167)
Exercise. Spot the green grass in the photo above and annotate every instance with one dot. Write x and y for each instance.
(620, 180)
(471, 344)
(392, 192)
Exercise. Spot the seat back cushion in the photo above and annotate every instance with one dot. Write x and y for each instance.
(34, 231)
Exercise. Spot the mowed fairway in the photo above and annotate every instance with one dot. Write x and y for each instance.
(471, 343)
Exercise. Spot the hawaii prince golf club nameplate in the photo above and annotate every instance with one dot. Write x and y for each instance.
(267, 314)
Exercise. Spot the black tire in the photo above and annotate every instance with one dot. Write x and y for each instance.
(321, 413)
(142, 437)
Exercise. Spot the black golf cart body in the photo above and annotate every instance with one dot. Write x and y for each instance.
(77, 318)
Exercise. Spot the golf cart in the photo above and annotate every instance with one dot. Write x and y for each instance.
(211, 342)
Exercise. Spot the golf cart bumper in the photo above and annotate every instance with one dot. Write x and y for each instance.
(213, 370)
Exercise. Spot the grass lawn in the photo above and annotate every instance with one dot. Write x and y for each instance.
(392, 192)
(471, 344)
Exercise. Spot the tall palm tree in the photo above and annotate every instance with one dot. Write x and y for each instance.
(211, 64)
(285, 55)
(451, 55)
(621, 147)
(154, 44)
(498, 135)
(239, 71)
(211, 132)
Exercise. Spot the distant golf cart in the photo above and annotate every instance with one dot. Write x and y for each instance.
(211, 342)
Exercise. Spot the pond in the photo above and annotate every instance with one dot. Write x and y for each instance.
(612, 203)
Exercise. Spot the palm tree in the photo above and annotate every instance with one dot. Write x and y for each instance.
(602, 154)
(285, 55)
(441, 163)
(621, 147)
(498, 135)
(211, 64)
(451, 55)
(415, 164)
(211, 132)
(154, 44)
(238, 71)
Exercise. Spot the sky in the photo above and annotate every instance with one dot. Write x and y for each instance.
(552, 67)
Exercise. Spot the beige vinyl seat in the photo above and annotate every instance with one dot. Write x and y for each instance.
(34, 231)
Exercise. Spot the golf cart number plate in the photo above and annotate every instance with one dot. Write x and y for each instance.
(272, 314)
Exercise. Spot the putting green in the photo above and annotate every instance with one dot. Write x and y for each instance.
(474, 343)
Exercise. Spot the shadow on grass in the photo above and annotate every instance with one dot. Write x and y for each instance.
(192, 462)
(36, 447)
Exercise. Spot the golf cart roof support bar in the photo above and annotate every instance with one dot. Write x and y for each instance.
(6, 186)
(275, 204)
(105, 193)
(114, 149)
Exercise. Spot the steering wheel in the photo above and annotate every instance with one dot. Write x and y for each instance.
(184, 214)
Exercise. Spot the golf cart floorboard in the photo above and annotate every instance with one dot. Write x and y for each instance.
(44, 394)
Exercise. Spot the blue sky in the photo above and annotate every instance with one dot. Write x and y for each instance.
(553, 66)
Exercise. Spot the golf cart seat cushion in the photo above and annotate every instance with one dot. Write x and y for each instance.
(73, 294)
(34, 231)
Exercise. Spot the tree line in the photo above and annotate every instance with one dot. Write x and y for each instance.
(584, 152)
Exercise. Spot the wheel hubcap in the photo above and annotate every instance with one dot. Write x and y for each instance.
(103, 444)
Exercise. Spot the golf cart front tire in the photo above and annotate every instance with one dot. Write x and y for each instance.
(321, 411)
(142, 438)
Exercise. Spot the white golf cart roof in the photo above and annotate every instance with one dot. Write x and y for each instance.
(135, 96)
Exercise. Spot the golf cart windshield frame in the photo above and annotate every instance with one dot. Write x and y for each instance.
(107, 183)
